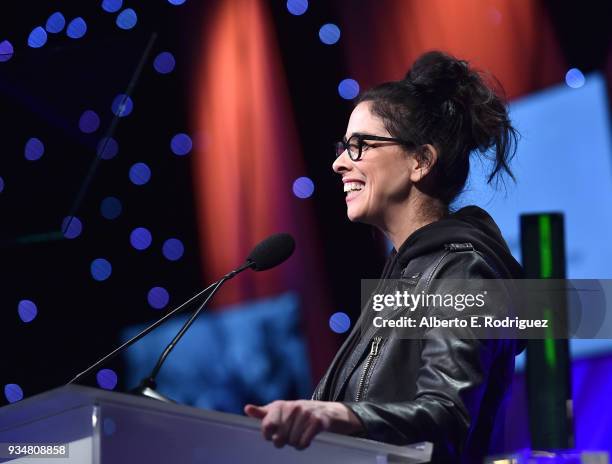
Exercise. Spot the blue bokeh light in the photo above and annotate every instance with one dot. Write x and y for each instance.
(13, 392)
(329, 34)
(122, 105)
(38, 37)
(101, 269)
(55, 23)
(72, 227)
(111, 208)
(1, 184)
(173, 249)
(574, 78)
(164, 63)
(34, 149)
(89, 122)
(127, 19)
(348, 89)
(6, 51)
(112, 6)
(141, 238)
(140, 174)
(303, 187)
(181, 144)
(297, 7)
(27, 310)
(107, 148)
(158, 297)
(176, 2)
(339, 322)
(107, 379)
(76, 28)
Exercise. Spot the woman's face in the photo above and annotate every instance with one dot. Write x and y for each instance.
(377, 185)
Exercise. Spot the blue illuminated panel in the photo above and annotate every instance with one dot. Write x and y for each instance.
(564, 163)
(252, 352)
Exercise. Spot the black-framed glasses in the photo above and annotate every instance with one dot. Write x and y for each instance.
(354, 145)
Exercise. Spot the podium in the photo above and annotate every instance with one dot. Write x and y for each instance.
(102, 427)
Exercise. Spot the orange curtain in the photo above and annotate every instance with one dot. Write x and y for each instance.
(514, 40)
(247, 156)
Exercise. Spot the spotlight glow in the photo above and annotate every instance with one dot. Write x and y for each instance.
(574, 78)
(297, 7)
(173, 249)
(72, 227)
(111, 208)
(122, 105)
(176, 2)
(127, 19)
(107, 379)
(141, 238)
(181, 144)
(27, 310)
(140, 174)
(101, 269)
(164, 63)
(303, 187)
(158, 297)
(107, 148)
(112, 6)
(76, 28)
(348, 89)
(55, 23)
(34, 149)
(89, 122)
(339, 322)
(6, 51)
(1, 184)
(329, 34)
(38, 37)
(13, 392)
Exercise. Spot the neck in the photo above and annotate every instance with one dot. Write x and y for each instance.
(410, 217)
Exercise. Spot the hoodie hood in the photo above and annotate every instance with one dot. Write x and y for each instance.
(469, 224)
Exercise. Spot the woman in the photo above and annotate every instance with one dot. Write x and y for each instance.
(404, 159)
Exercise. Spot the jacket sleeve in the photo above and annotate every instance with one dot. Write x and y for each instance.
(451, 381)
(450, 385)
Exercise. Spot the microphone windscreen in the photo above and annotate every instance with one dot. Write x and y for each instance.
(271, 251)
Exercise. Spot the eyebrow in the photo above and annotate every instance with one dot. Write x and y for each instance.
(357, 133)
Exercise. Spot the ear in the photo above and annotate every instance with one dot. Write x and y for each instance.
(425, 158)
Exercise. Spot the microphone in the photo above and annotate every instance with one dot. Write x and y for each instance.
(269, 253)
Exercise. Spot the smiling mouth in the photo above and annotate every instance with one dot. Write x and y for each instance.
(353, 189)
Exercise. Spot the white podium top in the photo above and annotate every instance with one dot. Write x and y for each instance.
(122, 425)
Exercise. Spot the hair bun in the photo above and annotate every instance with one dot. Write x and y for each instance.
(445, 103)
(438, 75)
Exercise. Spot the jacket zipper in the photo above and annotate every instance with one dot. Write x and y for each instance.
(374, 349)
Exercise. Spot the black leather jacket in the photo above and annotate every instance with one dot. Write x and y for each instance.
(444, 388)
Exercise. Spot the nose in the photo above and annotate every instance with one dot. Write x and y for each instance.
(342, 163)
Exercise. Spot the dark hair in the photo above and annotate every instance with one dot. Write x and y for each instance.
(443, 102)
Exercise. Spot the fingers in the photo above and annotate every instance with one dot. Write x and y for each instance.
(313, 427)
(298, 427)
(272, 421)
(258, 412)
(295, 423)
(289, 412)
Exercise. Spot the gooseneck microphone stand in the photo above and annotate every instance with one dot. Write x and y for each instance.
(147, 385)
(267, 254)
(215, 286)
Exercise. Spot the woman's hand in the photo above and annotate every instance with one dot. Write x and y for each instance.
(296, 423)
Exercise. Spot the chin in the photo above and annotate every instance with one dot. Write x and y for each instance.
(356, 216)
